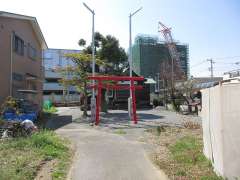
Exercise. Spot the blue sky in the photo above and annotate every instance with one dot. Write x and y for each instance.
(210, 27)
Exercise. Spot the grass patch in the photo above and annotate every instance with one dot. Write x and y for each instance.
(188, 150)
(21, 157)
(51, 110)
(120, 131)
(179, 154)
(156, 131)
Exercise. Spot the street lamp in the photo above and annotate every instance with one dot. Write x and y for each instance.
(130, 39)
(93, 101)
(130, 56)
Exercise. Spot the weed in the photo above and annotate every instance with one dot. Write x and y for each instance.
(187, 150)
(20, 157)
(120, 131)
(191, 125)
(51, 110)
(180, 154)
(160, 129)
(157, 131)
(181, 173)
(211, 178)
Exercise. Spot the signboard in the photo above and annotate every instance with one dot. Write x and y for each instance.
(93, 109)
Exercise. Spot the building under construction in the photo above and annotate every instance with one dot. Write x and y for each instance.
(148, 53)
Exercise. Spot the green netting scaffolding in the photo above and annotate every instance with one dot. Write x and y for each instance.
(149, 51)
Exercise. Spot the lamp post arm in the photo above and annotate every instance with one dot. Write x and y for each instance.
(88, 8)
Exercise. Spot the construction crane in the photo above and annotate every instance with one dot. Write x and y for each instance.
(175, 64)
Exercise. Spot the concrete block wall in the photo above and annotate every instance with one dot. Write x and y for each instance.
(221, 128)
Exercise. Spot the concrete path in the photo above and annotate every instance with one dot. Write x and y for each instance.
(106, 156)
(101, 154)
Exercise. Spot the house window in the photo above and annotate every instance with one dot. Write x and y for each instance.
(32, 52)
(17, 77)
(18, 45)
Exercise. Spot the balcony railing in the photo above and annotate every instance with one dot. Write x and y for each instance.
(56, 87)
(62, 99)
(52, 74)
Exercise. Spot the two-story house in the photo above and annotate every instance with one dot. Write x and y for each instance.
(21, 50)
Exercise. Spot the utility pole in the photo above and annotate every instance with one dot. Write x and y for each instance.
(130, 41)
(158, 83)
(93, 100)
(130, 57)
(211, 66)
(93, 47)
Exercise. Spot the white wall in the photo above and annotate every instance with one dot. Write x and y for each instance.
(221, 128)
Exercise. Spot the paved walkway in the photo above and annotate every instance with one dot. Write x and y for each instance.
(102, 154)
(106, 156)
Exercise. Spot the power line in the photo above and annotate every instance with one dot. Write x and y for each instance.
(230, 63)
(217, 58)
(211, 68)
(198, 64)
(229, 57)
(223, 63)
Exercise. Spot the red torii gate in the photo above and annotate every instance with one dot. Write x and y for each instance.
(99, 85)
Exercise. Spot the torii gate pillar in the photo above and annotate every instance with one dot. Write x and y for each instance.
(132, 87)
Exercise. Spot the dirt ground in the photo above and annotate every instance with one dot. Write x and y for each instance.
(163, 157)
(45, 171)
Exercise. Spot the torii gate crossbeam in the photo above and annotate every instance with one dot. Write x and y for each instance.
(100, 85)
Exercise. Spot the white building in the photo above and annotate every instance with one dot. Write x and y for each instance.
(52, 89)
(232, 74)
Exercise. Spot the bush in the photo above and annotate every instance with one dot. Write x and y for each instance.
(50, 110)
(10, 103)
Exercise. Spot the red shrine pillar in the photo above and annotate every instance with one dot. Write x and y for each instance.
(134, 115)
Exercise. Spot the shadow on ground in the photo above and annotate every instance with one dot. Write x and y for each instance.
(54, 121)
(114, 119)
(121, 120)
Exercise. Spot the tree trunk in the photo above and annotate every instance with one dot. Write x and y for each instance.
(85, 105)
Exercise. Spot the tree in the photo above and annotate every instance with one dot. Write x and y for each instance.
(169, 81)
(79, 74)
(87, 50)
(112, 53)
(186, 88)
(98, 39)
(108, 48)
(82, 42)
